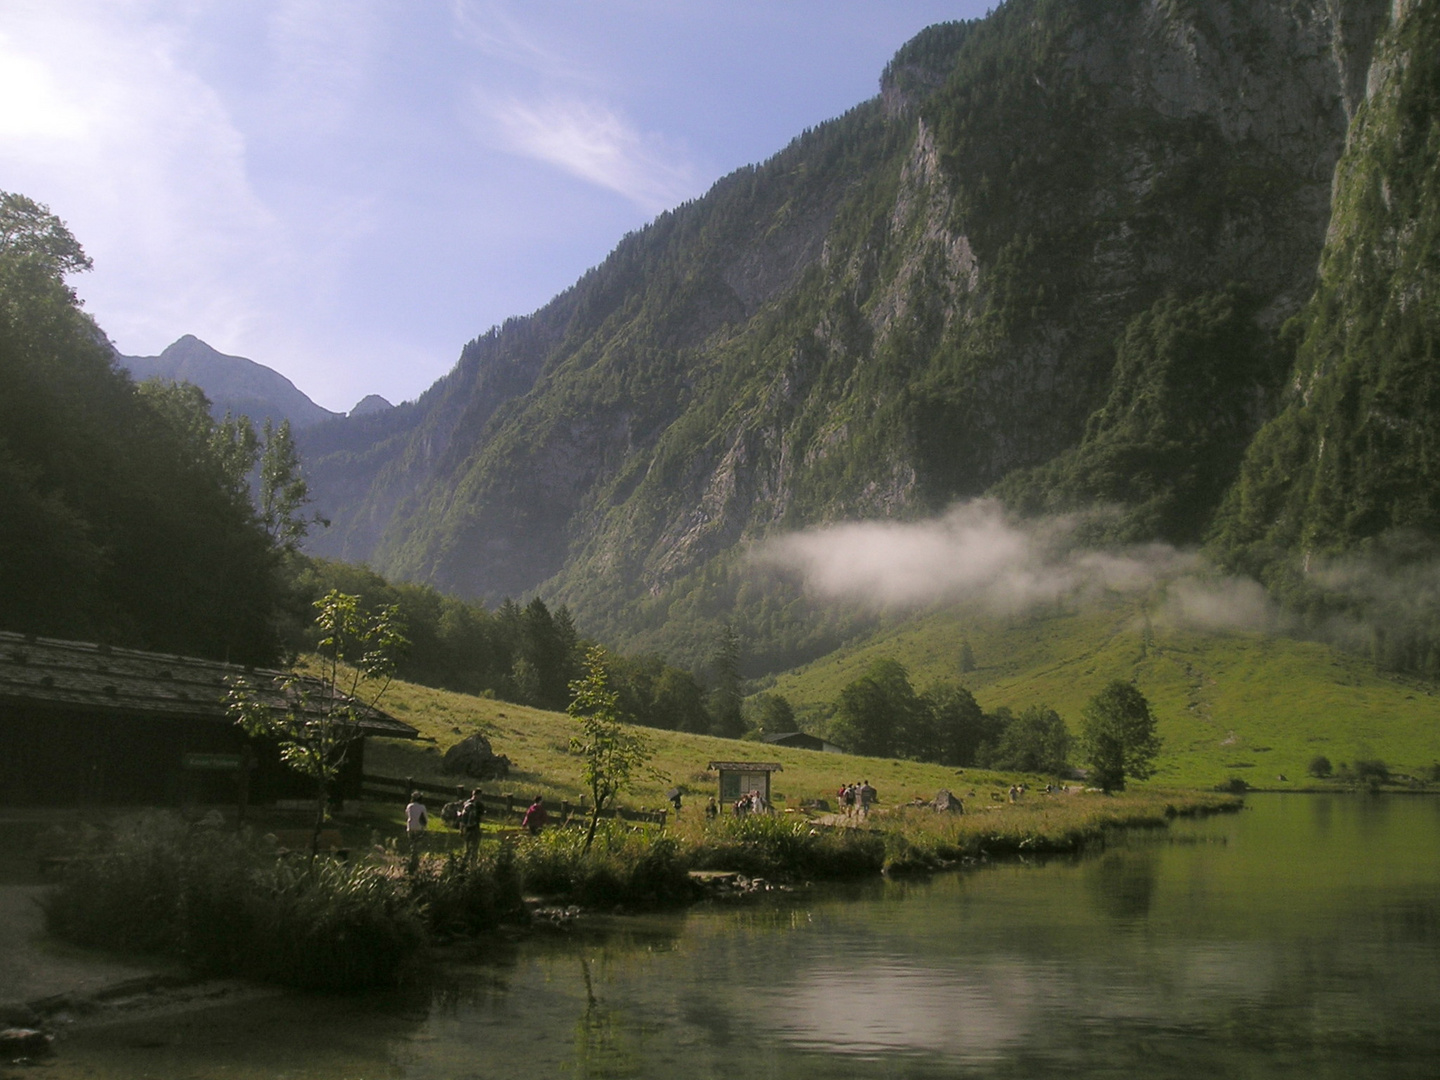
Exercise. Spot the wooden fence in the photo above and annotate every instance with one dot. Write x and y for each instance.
(394, 789)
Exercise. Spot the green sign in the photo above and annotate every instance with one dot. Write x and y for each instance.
(213, 762)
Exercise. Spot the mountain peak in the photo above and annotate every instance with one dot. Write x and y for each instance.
(234, 384)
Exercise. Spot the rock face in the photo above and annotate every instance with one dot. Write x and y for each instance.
(903, 307)
(473, 756)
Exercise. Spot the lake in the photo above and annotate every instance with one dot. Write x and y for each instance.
(1300, 937)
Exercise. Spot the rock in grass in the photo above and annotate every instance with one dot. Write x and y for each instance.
(18, 1042)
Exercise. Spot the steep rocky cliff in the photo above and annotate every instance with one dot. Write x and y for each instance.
(1062, 240)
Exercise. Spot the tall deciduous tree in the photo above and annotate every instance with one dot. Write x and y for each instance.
(879, 714)
(1036, 741)
(321, 720)
(282, 492)
(1118, 736)
(613, 752)
(123, 520)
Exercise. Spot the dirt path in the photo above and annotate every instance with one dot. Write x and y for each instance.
(34, 967)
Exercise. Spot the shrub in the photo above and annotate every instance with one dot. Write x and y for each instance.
(1320, 767)
(773, 847)
(625, 865)
(225, 903)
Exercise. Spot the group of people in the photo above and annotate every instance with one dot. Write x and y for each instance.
(466, 818)
(752, 802)
(857, 798)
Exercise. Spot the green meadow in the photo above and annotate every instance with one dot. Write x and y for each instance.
(538, 745)
(1228, 703)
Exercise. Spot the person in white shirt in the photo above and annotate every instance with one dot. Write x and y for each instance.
(416, 822)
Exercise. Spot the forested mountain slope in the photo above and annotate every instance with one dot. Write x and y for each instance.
(1052, 259)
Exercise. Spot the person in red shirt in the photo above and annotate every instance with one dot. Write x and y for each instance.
(535, 817)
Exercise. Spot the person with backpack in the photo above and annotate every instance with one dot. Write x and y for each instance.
(471, 811)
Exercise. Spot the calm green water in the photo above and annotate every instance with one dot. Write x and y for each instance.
(1298, 938)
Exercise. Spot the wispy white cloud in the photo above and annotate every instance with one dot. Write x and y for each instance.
(978, 553)
(593, 142)
(122, 138)
(493, 30)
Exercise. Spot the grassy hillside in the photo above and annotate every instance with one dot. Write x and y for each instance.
(537, 743)
(1229, 703)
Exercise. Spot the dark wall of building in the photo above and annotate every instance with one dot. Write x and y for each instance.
(54, 757)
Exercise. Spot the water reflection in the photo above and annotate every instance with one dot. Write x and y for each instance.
(1122, 883)
(1294, 940)
(904, 1008)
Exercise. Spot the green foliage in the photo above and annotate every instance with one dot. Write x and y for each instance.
(127, 518)
(28, 230)
(962, 729)
(282, 491)
(1170, 436)
(1036, 741)
(727, 720)
(226, 905)
(771, 714)
(880, 715)
(1319, 767)
(1118, 736)
(1348, 467)
(620, 864)
(315, 729)
(787, 850)
(612, 753)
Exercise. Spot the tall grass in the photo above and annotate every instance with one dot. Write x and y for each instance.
(227, 903)
(224, 903)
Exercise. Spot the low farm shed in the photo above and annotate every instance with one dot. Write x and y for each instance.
(86, 723)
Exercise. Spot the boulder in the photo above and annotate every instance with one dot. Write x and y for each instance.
(473, 756)
(23, 1043)
(947, 803)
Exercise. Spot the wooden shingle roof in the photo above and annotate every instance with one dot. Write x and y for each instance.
(82, 675)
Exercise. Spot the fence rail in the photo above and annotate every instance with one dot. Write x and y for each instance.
(396, 789)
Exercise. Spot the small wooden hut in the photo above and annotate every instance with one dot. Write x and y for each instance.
(741, 777)
(84, 723)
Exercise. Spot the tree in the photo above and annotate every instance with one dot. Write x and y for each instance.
(321, 718)
(282, 492)
(613, 752)
(727, 718)
(772, 714)
(1036, 741)
(1118, 736)
(28, 229)
(880, 715)
(124, 519)
(960, 726)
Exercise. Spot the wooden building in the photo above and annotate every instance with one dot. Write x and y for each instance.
(91, 724)
(799, 740)
(741, 777)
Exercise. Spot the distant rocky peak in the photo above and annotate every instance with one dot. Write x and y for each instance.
(371, 403)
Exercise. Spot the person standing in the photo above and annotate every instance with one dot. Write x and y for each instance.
(471, 812)
(416, 822)
(535, 817)
(867, 796)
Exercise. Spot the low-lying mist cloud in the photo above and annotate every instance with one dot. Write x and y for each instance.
(978, 553)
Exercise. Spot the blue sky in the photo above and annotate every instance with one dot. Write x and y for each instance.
(348, 192)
